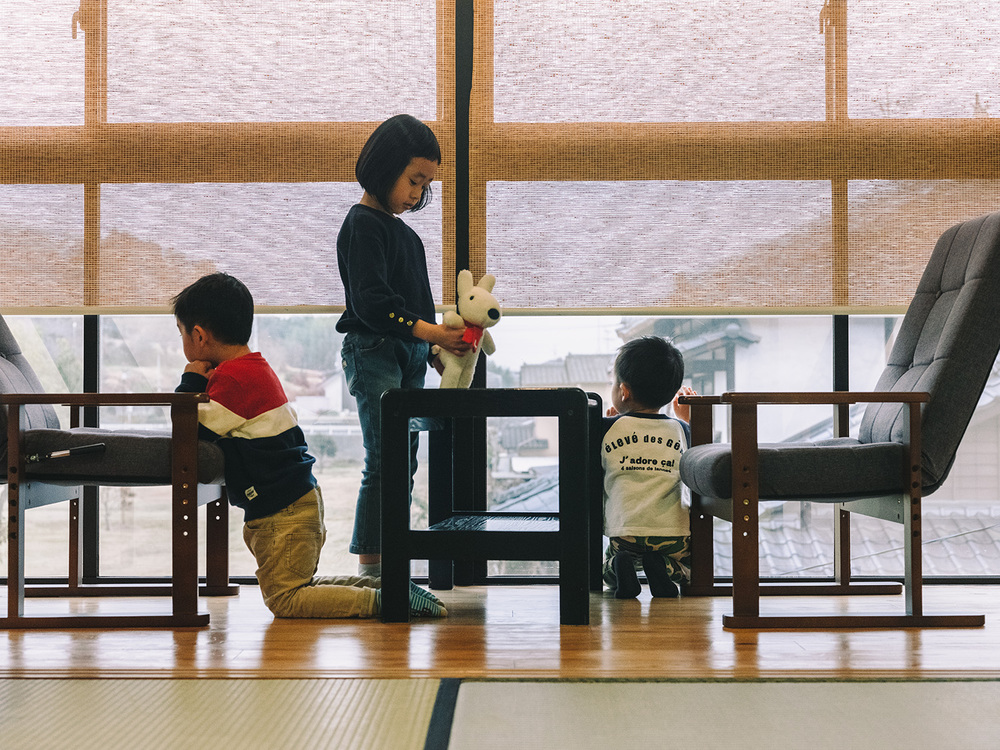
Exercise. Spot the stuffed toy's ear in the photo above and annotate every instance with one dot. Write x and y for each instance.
(464, 283)
(487, 282)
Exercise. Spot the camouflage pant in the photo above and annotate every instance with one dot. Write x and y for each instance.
(676, 551)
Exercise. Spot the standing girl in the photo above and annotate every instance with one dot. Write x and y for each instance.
(390, 320)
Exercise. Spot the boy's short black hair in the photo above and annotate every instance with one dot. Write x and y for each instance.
(219, 303)
(652, 368)
(389, 150)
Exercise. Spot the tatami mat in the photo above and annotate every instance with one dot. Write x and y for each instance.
(351, 714)
(750, 715)
(245, 714)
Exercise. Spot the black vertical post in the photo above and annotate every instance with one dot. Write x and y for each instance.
(464, 28)
(841, 371)
(469, 434)
(841, 428)
(94, 20)
(91, 418)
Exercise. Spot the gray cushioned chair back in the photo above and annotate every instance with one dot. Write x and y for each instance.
(946, 345)
(16, 376)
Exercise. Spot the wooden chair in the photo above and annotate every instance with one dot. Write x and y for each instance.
(944, 351)
(459, 534)
(45, 465)
(703, 579)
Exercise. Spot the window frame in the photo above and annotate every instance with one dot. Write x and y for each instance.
(478, 150)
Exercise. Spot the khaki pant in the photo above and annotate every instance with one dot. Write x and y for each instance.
(286, 546)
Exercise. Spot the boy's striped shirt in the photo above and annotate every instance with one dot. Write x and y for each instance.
(267, 464)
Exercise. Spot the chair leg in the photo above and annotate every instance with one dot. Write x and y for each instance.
(75, 575)
(15, 557)
(746, 561)
(703, 554)
(913, 475)
(842, 546)
(843, 584)
(702, 523)
(217, 548)
(913, 572)
(184, 520)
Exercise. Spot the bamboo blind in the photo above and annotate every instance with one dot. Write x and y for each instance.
(625, 155)
(686, 156)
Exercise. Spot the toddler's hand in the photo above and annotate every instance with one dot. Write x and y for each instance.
(683, 411)
(611, 412)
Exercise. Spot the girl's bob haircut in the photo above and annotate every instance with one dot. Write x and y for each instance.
(389, 151)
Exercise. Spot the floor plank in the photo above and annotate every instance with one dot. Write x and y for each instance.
(513, 631)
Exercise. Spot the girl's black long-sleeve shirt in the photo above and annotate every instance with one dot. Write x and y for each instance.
(384, 270)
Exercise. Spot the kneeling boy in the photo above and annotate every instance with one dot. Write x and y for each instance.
(268, 469)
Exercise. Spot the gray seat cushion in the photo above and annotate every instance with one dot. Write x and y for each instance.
(130, 458)
(840, 466)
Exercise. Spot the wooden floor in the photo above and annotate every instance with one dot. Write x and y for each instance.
(505, 632)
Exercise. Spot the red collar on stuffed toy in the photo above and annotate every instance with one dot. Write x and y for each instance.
(473, 334)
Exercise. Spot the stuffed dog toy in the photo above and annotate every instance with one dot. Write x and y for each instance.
(477, 310)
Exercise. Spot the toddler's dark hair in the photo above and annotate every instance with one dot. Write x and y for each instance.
(652, 368)
(389, 150)
(219, 303)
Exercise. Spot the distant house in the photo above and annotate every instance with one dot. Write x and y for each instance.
(540, 437)
(333, 397)
(326, 408)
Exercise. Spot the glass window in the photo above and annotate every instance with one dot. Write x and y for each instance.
(895, 224)
(143, 352)
(923, 60)
(53, 344)
(41, 64)
(54, 347)
(255, 61)
(720, 354)
(41, 245)
(960, 531)
(279, 239)
(660, 243)
(961, 534)
(634, 61)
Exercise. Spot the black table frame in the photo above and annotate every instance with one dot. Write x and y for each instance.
(456, 534)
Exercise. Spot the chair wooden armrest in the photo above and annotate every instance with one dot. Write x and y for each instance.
(105, 399)
(700, 400)
(185, 403)
(824, 397)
